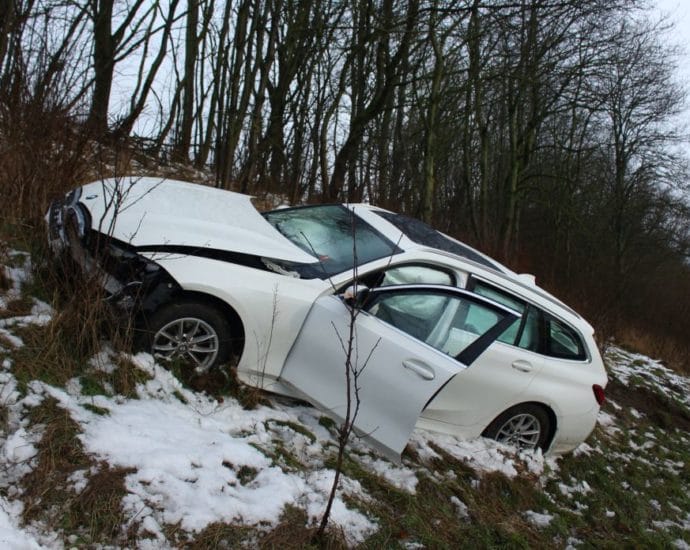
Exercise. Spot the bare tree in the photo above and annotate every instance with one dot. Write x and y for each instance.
(386, 80)
(107, 44)
(146, 76)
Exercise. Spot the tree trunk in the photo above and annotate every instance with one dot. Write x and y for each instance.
(103, 64)
(383, 87)
(431, 123)
(184, 134)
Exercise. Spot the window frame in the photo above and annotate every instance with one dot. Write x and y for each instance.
(378, 272)
(542, 326)
(545, 337)
(472, 283)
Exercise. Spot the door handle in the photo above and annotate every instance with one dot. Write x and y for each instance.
(422, 369)
(522, 365)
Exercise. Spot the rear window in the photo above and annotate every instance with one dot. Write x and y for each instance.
(422, 233)
(562, 341)
(554, 339)
(334, 235)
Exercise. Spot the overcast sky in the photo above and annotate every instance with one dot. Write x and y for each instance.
(679, 14)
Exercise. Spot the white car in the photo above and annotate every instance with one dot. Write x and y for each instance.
(445, 338)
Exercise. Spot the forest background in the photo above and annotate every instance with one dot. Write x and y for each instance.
(543, 132)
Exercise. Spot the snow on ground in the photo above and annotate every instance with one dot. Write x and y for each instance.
(194, 460)
(188, 451)
(537, 519)
(484, 455)
(11, 536)
(197, 461)
(633, 368)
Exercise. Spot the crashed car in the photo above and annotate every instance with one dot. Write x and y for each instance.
(443, 337)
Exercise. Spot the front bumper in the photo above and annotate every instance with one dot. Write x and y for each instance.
(69, 225)
(127, 277)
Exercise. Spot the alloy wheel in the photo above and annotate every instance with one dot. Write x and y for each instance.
(521, 431)
(187, 339)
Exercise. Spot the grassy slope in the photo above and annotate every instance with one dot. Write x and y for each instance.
(628, 486)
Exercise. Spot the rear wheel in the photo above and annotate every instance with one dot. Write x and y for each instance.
(524, 426)
(194, 335)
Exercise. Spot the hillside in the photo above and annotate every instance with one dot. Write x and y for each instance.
(120, 453)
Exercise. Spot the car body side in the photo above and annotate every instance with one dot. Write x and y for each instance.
(463, 408)
(273, 306)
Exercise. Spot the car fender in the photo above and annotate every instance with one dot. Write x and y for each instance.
(272, 307)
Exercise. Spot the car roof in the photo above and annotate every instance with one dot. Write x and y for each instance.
(476, 263)
(392, 228)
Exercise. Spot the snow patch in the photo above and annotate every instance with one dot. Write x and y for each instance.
(540, 520)
(11, 535)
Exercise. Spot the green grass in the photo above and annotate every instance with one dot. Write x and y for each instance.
(101, 411)
(628, 492)
(622, 492)
(294, 426)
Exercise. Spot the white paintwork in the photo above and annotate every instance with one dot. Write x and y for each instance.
(388, 410)
(273, 307)
(493, 379)
(393, 375)
(157, 211)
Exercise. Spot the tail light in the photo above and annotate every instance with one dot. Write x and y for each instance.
(599, 394)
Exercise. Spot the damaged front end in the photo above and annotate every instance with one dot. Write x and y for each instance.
(132, 282)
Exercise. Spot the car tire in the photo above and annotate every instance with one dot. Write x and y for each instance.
(525, 426)
(194, 334)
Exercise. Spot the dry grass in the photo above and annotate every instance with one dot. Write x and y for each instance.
(663, 412)
(15, 308)
(60, 454)
(293, 532)
(220, 383)
(95, 513)
(126, 377)
(60, 350)
(215, 535)
(98, 508)
(674, 353)
(42, 156)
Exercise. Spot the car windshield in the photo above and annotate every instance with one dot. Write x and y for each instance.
(422, 233)
(333, 234)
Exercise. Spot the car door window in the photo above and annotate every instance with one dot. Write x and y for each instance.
(510, 336)
(415, 313)
(443, 321)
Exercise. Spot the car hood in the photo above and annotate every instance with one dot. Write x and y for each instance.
(146, 211)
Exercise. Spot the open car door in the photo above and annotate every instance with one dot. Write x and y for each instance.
(408, 342)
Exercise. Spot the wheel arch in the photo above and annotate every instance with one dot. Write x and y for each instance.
(553, 420)
(226, 309)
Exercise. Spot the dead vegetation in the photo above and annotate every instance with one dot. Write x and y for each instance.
(51, 491)
(60, 455)
(661, 410)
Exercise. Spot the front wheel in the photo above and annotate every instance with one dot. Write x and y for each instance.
(193, 334)
(524, 426)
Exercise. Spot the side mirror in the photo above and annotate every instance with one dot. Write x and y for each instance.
(356, 295)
